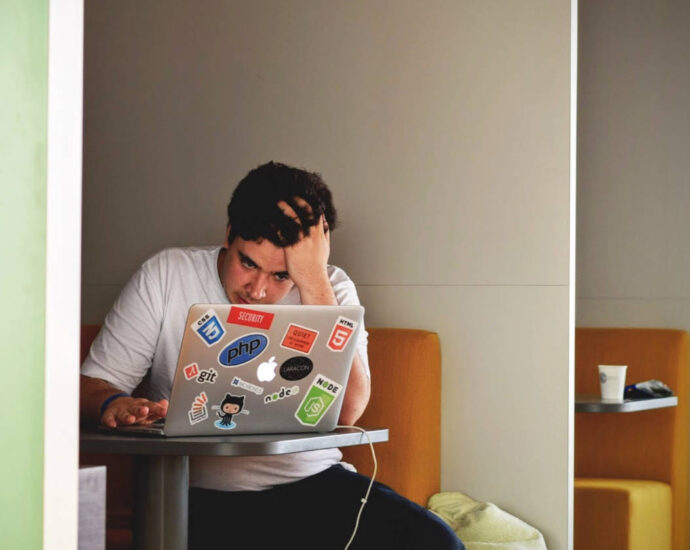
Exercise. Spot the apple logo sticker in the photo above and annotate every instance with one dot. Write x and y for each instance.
(296, 368)
(267, 370)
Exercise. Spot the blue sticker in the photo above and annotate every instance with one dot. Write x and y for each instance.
(243, 350)
(209, 328)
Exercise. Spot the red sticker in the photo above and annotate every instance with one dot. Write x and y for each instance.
(191, 371)
(250, 318)
(342, 331)
(299, 338)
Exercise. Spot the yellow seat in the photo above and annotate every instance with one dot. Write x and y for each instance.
(631, 469)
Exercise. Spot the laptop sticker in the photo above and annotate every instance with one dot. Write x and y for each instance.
(296, 368)
(250, 318)
(317, 401)
(267, 370)
(207, 376)
(342, 331)
(229, 407)
(282, 394)
(238, 382)
(198, 412)
(191, 371)
(243, 349)
(209, 328)
(299, 338)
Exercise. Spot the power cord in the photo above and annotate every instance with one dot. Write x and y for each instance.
(371, 483)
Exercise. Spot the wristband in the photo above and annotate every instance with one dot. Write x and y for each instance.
(105, 404)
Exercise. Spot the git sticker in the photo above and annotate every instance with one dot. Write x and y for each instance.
(198, 412)
(299, 338)
(342, 331)
(250, 317)
(209, 328)
(317, 401)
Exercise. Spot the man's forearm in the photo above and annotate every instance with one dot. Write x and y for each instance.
(356, 394)
(92, 394)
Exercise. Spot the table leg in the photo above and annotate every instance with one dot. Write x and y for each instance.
(162, 503)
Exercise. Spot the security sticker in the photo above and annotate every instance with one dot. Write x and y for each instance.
(191, 371)
(317, 401)
(229, 407)
(299, 338)
(239, 383)
(250, 317)
(243, 349)
(296, 368)
(282, 394)
(342, 331)
(209, 328)
(198, 412)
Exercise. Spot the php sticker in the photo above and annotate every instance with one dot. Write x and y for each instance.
(299, 338)
(209, 328)
(198, 412)
(342, 331)
(244, 349)
(239, 383)
(250, 317)
(296, 368)
(317, 401)
(282, 394)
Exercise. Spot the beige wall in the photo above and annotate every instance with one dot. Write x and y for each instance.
(443, 130)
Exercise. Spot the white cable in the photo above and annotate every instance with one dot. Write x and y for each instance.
(366, 496)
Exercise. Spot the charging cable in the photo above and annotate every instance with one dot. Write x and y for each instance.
(366, 496)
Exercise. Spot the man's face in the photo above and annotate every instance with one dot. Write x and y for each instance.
(254, 272)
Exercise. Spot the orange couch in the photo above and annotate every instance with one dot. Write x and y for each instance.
(406, 388)
(631, 469)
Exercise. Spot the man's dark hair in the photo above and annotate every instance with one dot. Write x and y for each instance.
(253, 211)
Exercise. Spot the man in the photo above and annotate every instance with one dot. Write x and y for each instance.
(276, 249)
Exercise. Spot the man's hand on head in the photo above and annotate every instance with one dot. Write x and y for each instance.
(133, 410)
(307, 259)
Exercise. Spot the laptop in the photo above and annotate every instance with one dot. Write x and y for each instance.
(260, 369)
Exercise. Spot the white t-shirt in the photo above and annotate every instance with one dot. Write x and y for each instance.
(144, 330)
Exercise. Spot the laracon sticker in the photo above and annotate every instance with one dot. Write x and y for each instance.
(282, 394)
(244, 349)
(250, 317)
(296, 368)
(198, 412)
(342, 331)
(239, 383)
(299, 338)
(229, 407)
(209, 328)
(317, 401)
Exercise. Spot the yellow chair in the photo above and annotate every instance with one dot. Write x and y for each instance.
(631, 469)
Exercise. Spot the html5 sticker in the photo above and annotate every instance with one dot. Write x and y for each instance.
(342, 331)
(299, 338)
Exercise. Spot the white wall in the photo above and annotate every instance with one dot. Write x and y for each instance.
(443, 130)
(634, 184)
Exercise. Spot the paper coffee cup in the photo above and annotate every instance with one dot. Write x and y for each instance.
(612, 380)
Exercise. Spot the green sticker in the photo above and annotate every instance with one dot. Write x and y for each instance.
(317, 401)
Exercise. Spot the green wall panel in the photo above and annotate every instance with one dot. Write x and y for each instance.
(23, 136)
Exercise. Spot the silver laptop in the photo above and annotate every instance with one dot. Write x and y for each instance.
(260, 369)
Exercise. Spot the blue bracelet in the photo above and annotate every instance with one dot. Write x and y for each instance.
(105, 404)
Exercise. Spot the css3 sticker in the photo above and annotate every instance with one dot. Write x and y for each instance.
(209, 328)
(244, 349)
(342, 331)
(317, 401)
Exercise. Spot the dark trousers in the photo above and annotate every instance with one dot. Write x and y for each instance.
(318, 513)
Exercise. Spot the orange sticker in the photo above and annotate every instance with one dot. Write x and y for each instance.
(299, 338)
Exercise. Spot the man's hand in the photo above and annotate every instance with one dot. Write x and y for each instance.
(133, 410)
(307, 259)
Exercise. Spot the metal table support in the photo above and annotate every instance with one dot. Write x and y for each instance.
(162, 500)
